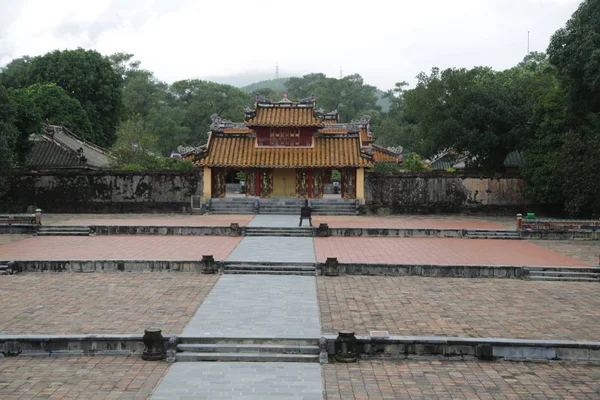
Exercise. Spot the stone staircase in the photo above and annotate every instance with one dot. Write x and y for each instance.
(232, 205)
(60, 230)
(569, 274)
(492, 234)
(282, 206)
(268, 231)
(334, 206)
(247, 350)
(262, 268)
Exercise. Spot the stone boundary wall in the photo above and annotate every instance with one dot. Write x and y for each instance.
(445, 192)
(73, 191)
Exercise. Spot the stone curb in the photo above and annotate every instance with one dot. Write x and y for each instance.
(456, 348)
(396, 347)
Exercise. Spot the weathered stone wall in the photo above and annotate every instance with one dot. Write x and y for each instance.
(444, 192)
(101, 191)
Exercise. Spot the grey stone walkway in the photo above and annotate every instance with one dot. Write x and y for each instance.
(276, 221)
(241, 381)
(274, 249)
(259, 306)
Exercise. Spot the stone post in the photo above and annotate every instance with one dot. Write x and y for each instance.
(332, 267)
(345, 347)
(208, 265)
(323, 230)
(519, 221)
(155, 348)
(235, 229)
(38, 216)
(172, 349)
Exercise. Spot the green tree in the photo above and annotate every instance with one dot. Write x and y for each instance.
(8, 137)
(200, 100)
(136, 145)
(86, 76)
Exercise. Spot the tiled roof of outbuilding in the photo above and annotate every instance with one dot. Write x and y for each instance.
(48, 154)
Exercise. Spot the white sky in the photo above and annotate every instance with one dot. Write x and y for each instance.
(384, 41)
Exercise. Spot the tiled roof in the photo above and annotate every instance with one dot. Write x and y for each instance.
(47, 154)
(337, 131)
(284, 116)
(242, 152)
(365, 137)
(237, 130)
(383, 156)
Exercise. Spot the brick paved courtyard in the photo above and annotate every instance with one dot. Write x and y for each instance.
(146, 219)
(416, 221)
(456, 307)
(79, 377)
(438, 251)
(76, 303)
(587, 251)
(114, 247)
(460, 380)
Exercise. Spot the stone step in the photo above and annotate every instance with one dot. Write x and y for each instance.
(230, 212)
(249, 340)
(280, 234)
(267, 272)
(248, 348)
(62, 233)
(336, 213)
(560, 278)
(246, 357)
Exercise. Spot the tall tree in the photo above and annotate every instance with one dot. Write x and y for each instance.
(85, 75)
(8, 136)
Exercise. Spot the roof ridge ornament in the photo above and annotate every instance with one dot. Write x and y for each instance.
(309, 100)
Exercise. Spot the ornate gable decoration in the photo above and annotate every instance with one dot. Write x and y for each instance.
(220, 124)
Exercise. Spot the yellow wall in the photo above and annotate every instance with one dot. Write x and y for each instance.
(360, 185)
(284, 182)
(207, 191)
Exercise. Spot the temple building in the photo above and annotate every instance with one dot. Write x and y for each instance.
(288, 149)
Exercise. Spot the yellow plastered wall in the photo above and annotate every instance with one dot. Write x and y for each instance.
(360, 185)
(207, 185)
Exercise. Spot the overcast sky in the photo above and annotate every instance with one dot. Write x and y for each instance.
(384, 41)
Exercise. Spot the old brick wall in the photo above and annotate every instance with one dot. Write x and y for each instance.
(444, 192)
(101, 191)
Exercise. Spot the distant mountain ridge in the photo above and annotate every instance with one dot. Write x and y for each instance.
(278, 85)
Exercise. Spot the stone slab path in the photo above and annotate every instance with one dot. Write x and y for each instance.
(276, 221)
(274, 249)
(229, 380)
(259, 306)
(254, 306)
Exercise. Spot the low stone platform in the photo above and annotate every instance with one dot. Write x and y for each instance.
(79, 377)
(103, 303)
(379, 379)
(498, 308)
(438, 251)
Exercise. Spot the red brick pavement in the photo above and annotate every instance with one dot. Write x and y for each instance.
(456, 307)
(115, 247)
(438, 251)
(79, 377)
(109, 303)
(408, 222)
(459, 380)
(149, 220)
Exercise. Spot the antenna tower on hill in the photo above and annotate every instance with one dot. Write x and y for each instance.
(277, 71)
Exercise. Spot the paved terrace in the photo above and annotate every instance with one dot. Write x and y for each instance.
(438, 251)
(115, 247)
(110, 303)
(506, 308)
(145, 219)
(79, 377)
(377, 380)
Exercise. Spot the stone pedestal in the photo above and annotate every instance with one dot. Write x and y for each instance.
(208, 265)
(155, 348)
(345, 347)
(323, 230)
(332, 267)
(235, 229)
